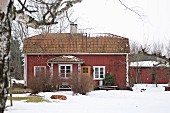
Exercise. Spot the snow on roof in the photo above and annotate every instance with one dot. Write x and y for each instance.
(146, 64)
(72, 58)
(65, 58)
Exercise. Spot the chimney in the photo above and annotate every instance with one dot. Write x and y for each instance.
(73, 28)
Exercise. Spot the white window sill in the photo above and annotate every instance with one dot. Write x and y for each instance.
(98, 79)
(65, 77)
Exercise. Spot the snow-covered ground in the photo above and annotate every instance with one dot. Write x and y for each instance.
(152, 100)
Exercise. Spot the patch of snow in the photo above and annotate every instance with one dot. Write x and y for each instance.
(17, 81)
(71, 57)
(145, 64)
(68, 57)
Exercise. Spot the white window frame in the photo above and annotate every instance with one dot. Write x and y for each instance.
(38, 67)
(59, 68)
(94, 77)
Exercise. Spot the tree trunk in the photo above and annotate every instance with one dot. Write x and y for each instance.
(5, 35)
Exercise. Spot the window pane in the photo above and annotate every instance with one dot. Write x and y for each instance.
(68, 75)
(62, 75)
(96, 71)
(39, 71)
(62, 71)
(101, 69)
(85, 70)
(101, 76)
(42, 69)
(68, 71)
(96, 76)
(101, 73)
(62, 67)
(68, 67)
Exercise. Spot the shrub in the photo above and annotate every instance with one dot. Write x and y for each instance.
(109, 80)
(82, 84)
(41, 84)
(17, 85)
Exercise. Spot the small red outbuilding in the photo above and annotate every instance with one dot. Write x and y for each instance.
(149, 72)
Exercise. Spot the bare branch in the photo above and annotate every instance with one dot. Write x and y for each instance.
(130, 9)
(52, 10)
(68, 17)
(26, 9)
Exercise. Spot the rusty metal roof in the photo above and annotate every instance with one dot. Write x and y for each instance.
(76, 43)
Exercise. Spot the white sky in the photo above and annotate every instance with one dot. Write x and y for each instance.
(109, 16)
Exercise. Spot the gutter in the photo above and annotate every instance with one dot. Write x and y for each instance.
(127, 70)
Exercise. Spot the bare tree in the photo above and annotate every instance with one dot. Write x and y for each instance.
(134, 47)
(157, 48)
(27, 15)
(16, 59)
(168, 50)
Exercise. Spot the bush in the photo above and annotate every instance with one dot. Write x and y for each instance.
(82, 84)
(42, 84)
(109, 80)
(17, 85)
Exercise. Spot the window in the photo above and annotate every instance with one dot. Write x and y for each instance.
(65, 70)
(99, 72)
(39, 70)
(85, 70)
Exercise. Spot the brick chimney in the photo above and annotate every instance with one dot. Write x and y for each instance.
(73, 28)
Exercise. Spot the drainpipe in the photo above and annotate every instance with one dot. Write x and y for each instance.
(79, 68)
(127, 70)
(25, 70)
(51, 69)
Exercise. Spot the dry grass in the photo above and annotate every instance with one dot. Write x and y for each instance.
(20, 90)
(34, 99)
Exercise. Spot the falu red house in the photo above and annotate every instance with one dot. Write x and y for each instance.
(149, 72)
(66, 53)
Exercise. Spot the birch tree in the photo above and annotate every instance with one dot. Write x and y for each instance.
(27, 15)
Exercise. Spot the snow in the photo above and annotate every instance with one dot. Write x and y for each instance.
(17, 81)
(152, 100)
(71, 57)
(146, 64)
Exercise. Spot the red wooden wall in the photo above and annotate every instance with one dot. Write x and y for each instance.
(115, 64)
(146, 75)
